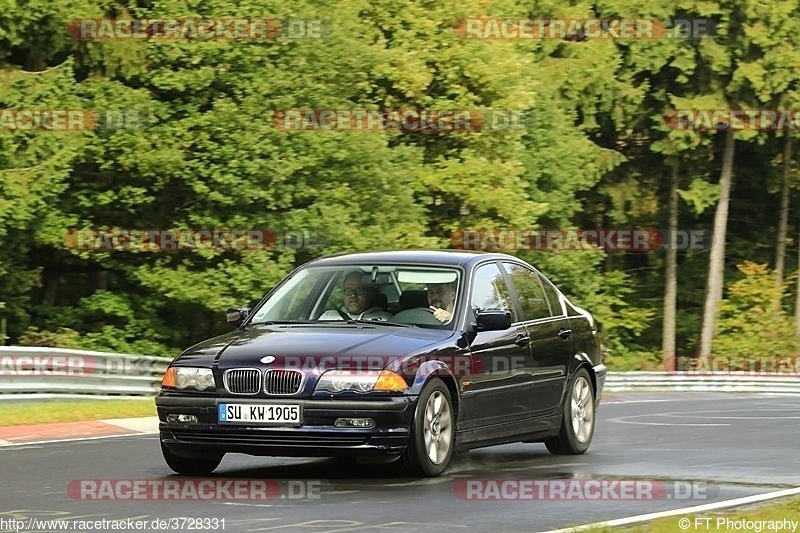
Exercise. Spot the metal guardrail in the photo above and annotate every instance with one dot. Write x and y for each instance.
(683, 382)
(29, 372)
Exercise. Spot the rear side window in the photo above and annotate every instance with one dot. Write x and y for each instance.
(489, 290)
(532, 300)
(553, 299)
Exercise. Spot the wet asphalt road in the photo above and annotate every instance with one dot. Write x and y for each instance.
(698, 448)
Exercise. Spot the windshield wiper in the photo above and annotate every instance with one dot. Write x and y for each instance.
(381, 322)
(351, 321)
(278, 322)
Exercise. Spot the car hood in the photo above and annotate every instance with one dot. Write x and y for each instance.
(304, 346)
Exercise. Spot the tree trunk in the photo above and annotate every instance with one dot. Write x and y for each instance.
(716, 261)
(797, 299)
(99, 280)
(783, 220)
(52, 282)
(671, 274)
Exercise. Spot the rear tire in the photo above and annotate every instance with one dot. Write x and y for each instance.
(432, 439)
(578, 418)
(194, 465)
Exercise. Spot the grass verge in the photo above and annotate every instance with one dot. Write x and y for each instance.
(72, 411)
(741, 519)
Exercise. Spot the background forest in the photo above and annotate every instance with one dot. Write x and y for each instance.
(597, 154)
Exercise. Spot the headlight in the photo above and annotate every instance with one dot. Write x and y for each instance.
(361, 381)
(187, 377)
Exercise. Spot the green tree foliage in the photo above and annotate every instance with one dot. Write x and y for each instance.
(750, 322)
(203, 153)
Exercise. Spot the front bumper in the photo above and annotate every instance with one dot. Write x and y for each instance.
(316, 437)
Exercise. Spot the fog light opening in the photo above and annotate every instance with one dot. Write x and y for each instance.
(354, 423)
(182, 419)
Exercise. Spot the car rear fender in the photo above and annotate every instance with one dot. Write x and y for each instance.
(582, 360)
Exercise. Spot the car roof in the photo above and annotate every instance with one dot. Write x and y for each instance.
(461, 258)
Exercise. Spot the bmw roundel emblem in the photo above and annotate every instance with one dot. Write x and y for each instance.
(267, 359)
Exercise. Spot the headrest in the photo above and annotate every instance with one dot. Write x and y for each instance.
(380, 299)
(414, 298)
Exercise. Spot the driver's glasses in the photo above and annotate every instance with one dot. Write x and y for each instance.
(355, 292)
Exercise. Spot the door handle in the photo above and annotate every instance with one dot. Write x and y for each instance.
(564, 333)
(522, 340)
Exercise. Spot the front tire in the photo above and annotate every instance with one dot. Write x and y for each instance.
(432, 440)
(578, 418)
(194, 465)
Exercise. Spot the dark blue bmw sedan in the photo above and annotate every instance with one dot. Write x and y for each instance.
(411, 355)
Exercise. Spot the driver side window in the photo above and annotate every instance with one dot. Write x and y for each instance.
(532, 300)
(489, 291)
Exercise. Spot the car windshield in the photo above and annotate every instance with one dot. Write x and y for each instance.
(397, 295)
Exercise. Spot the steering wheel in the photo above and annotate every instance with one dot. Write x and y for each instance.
(416, 315)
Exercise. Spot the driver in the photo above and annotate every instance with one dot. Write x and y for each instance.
(441, 298)
(358, 298)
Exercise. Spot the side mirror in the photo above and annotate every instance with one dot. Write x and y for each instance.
(236, 316)
(494, 320)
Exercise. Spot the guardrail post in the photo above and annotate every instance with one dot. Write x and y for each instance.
(3, 324)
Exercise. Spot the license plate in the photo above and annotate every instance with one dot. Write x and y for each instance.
(284, 414)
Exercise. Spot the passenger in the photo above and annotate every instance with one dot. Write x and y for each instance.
(358, 302)
(442, 298)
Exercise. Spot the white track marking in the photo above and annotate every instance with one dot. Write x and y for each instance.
(34, 443)
(624, 420)
(683, 511)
